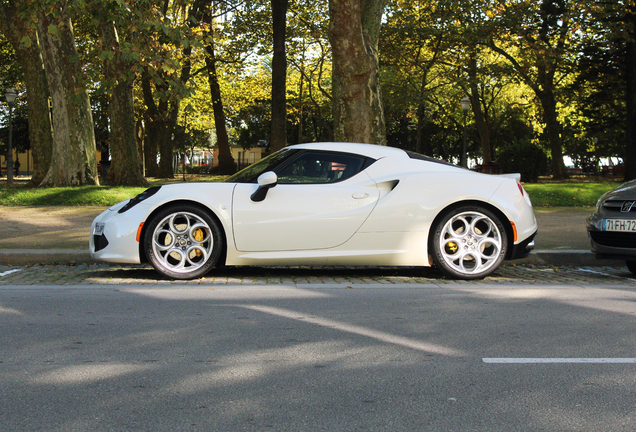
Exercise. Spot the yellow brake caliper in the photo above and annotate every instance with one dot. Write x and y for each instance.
(198, 236)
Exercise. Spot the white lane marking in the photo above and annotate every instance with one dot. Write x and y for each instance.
(557, 360)
(600, 273)
(9, 272)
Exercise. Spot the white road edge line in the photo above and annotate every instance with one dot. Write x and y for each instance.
(557, 360)
(600, 273)
(9, 272)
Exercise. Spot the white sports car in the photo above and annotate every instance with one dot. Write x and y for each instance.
(325, 204)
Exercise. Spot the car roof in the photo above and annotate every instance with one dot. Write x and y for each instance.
(370, 150)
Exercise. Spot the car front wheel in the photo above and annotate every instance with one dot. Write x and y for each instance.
(468, 242)
(183, 242)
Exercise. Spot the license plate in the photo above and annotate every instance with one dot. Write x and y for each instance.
(620, 225)
(99, 229)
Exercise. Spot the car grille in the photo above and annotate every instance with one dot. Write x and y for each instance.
(100, 242)
(617, 206)
(614, 239)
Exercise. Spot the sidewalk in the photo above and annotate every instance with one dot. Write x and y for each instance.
(59, 235)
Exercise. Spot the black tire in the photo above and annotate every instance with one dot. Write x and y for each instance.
(183, 242)
(468, 242)
(631, 266)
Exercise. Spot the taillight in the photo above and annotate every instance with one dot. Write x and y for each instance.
(520, 188)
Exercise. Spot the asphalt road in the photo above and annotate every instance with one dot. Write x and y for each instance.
(532, 348)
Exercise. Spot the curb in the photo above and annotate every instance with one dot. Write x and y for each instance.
(569, 257)
(17, 257)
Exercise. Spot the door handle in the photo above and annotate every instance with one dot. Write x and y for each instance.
(360, 195)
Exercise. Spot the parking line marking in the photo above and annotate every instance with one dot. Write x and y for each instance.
(9, 272)
(504, 360)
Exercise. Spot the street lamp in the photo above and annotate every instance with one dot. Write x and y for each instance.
(465, 105)
(10, 95)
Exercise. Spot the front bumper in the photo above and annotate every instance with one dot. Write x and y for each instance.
(608, 244)
(118, 241)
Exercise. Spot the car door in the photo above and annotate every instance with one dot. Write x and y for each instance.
(319, 202)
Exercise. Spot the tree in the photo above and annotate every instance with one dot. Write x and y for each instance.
(25, 42)
(536, 42)
(169, 40)
(226, 161)
(414, 53)
(74, 156)
(630, 67)
(202, 11)
(278, 137)
(119, 63)
(354, 32)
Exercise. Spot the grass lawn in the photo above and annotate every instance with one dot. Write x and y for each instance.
(568, 194)
(21, 194)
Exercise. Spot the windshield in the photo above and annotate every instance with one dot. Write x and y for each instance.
(251, 173)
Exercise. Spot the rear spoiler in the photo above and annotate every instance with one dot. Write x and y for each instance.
(516, 176)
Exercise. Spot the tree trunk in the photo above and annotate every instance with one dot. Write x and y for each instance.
(278, 136)
(74, 156)
(300, 97)
(169, 112)
(28, 55)
(159, 130)
(553, 128)
(151, 119)
(139, 138)
(40, 127)
(475, 103)
(630, 67)
(166, 150)
(150, 147)
(125, 164)
(125, 161)
(226, 161)
(420, 146)
(357, 106)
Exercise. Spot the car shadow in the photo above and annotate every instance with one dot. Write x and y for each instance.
(146, 272)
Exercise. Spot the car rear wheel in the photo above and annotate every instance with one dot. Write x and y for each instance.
(183, 242)
(469, 242)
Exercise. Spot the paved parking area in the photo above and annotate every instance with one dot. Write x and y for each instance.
(104, 274)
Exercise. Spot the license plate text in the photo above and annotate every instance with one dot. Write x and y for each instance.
(619, 225)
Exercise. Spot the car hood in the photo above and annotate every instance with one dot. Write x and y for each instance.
(626, 191)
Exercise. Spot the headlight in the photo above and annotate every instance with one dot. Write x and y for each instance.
(139, 198)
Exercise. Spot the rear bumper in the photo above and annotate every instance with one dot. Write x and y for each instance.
(523, 249)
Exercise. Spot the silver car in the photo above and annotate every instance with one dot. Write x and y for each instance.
(612, 226)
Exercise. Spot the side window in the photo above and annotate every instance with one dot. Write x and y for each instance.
(320, 167)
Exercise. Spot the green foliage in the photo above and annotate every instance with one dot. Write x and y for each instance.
(525, 158)
(425, 48)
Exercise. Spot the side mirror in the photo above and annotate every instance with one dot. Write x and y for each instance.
(266, 181)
